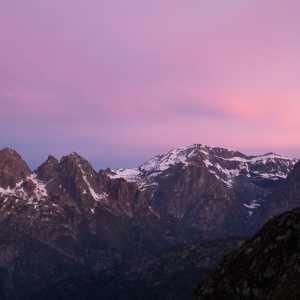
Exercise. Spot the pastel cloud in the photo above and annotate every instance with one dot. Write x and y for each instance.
(144, 76)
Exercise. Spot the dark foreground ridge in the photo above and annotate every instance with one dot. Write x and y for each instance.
(266, 267)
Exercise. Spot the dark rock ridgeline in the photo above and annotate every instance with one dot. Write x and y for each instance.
(266, 267)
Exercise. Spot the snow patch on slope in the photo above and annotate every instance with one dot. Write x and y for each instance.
(161, 163)
(271, 166)
(130, 175)
(251, 206)
(40, 191)
(97, 197)
(18, 193)
(260, 158)
(145, 175)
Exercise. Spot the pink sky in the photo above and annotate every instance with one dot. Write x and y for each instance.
(119, 81)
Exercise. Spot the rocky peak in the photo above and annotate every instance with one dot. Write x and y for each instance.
(12, 168)
(49, 169)
(75, 165)
(80, 179)
(230, 185)
(225, 164)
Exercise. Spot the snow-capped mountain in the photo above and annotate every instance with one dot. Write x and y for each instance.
(188, 182)
(80, 219)
(194, 185)
(224, 164)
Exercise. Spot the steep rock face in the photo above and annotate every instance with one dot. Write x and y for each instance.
(265, 267)
(193, 197)
(79, 178)
(127, 198)
(12, 168)
(79, 220)
(285, 197)
(49, 169)
(213, 191)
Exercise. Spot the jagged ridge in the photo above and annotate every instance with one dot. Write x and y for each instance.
(225, 164)
(93, 221)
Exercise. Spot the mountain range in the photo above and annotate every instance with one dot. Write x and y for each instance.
(68, 225)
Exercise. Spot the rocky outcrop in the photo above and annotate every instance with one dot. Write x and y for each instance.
(285, 197)
(49, 169)
(12, 168)
(265, 267)
(68, 216)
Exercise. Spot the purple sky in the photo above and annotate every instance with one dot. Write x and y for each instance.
(120, 81)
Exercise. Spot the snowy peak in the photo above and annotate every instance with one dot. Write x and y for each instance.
(155, 166)
(161, 163)
(223, 163)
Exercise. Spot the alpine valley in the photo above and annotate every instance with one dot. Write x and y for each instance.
(68, 231)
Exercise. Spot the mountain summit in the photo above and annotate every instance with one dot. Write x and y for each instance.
(224, 164)
(201, 185)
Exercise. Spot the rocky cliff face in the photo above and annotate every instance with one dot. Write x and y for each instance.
(265, 267)
(212, 191)
(285, 197)
(67, 220)
(12, 168)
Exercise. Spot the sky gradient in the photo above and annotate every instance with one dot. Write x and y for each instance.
(120, 81)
